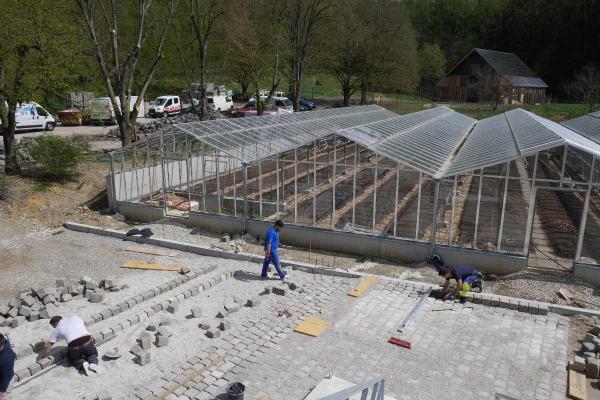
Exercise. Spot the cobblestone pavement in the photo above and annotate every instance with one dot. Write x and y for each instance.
(471, 353)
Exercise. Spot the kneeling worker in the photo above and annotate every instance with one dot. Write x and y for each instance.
(82, 353)
(466, 279)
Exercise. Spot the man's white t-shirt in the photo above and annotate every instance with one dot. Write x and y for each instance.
(69, 328)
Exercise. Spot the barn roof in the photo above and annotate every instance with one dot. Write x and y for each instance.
(509, 65)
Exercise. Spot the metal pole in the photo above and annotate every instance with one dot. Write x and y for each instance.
(375, 191)
(151, 174)
(218, 161)
(188, 173)
(531, 209)
(436, 196)
(112, 180)
(245, 179)
(583, 221)
(564, 164)
(162, 165)
(396, 198)
(499, 246)
(295, 185)
(332, 219)
(137, 181)
(315, 184)
(123, 177)
(418, 206)
(203, 181)
(478, 207)
(277, 169)
(453, 210)
(260, 205)
(356, 162)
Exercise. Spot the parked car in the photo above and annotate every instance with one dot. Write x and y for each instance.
(219, 101)
(165, 106)
(307, 105)
(279, 105)
(32, 116)
(102, 111)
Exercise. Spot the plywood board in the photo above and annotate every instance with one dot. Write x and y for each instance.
(363, 285)
(150, 250)
(153, 266)
(577, 385)
(313, 326)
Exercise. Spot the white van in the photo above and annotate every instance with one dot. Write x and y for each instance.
(32, 116)
(101, 109)
(165, 106)
(219, 101)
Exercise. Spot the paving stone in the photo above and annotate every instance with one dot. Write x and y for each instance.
(143, 358)
(205, 324)
(103, 395)
(34, 316)
(164, 331)
(44, 314)
(172, 308)
(146, 336)
(12, 313)
(252, 302)
(225, 325)
(213, 333)
(165, 321)
(185, 270)
(292, 286)
(588, 346)
(14, 302)
(196, 312)
(278, 291)
(592, 368)
(231, 307)
(152, 326)
(61, 282)
(96, 297)
(136, 349)
(44, 362)
(578, 364)
(24, 311)
(161, 340)
(28, 301)
(34, 368)
(595, 329)
(23, 373)
(66, 297)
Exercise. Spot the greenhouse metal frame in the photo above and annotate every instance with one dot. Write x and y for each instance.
(435, 176)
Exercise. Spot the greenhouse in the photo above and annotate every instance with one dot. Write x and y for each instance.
(365, 180)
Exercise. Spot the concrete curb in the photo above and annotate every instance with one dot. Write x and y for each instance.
(111, 332)
(492, 300)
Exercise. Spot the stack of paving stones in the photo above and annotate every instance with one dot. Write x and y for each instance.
(108, 333)
(207, 373)
(588, 359)
(37, 303)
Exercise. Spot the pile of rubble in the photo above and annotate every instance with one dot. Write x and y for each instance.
(36, 303)
(161, 123)
(588, 362)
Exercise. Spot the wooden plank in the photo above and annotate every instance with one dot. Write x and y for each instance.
(577, 385)
(399, 342)
(363, 285)
(153, 266)
(313, 326)
(565, 293)
(150, 250)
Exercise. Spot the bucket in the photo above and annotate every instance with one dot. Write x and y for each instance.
(235, 391)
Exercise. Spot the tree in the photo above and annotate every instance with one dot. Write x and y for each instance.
(119, 51)
(34, 40)
(203, 16)
(587, 86)
(256, 39)
(490, 86)
(305, 17)
(432, 64)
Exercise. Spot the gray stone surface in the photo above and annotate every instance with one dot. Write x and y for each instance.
(143, 358)
(578, 364)
(96, 297)
(196, 312)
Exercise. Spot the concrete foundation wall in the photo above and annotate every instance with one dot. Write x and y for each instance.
(588, 272)
(363, 245)
(140, 212)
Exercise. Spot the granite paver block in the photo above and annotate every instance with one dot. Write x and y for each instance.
(213, 332)
(96, 297)
(592, 368)
(172, 308)
(196, 312)
(161, 340)
(578, 364)
(278, 291)
(143, 358)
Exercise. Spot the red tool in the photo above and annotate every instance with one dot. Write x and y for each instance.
(399, 342)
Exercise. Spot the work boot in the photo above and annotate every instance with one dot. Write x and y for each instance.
(85, 367)
(95, 368)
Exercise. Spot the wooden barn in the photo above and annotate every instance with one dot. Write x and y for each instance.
(487, 75)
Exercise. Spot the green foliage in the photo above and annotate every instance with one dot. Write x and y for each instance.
(41, 186)
(58, 157)
(432, 64)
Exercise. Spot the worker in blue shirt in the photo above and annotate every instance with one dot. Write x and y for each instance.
(7, 365)
(271, 245)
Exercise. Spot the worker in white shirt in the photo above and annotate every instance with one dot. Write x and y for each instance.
(82, 353)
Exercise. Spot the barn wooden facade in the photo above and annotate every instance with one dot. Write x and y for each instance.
(484, 75)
